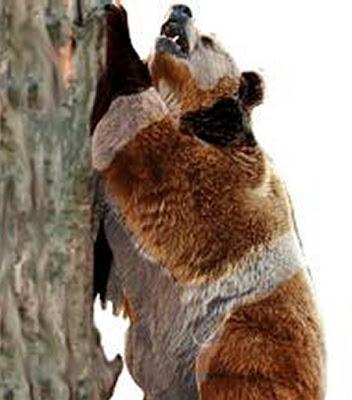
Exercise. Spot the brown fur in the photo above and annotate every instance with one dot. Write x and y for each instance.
(182, 198)
(177, 75)
(127, 310)
(270, 349)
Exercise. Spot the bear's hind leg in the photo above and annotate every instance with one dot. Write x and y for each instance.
(270, 349)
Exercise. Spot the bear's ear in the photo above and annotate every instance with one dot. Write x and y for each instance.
(251, 90)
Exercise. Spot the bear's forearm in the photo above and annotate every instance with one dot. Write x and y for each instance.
(127, 116)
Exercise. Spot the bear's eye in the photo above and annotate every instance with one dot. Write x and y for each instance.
(207, 41)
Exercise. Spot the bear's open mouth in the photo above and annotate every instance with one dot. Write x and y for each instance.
(176, 33)
(173, 39)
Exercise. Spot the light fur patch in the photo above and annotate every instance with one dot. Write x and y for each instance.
(209, 64)
(209, 67)
(126, 116)
(256, 276)
(170, 99)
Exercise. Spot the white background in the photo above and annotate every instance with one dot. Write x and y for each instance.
(303, 49)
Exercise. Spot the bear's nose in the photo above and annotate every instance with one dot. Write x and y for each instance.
(180, 13)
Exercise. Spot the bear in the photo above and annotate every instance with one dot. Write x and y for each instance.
(200, 225)
(251, 94)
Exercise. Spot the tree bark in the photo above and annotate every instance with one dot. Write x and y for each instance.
(50, 55)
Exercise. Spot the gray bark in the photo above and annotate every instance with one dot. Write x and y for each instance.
(49, 348)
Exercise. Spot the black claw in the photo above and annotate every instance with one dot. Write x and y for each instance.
(108, 7)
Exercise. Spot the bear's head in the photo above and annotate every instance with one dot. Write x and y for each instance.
(192, 70)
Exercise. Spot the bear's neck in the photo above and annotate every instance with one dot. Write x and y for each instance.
(224, 123)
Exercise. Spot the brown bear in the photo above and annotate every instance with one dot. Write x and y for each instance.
(200, 225)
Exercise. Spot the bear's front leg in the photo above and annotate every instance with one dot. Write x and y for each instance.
(124, 74)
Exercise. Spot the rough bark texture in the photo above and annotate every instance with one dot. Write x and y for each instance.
(49, 348)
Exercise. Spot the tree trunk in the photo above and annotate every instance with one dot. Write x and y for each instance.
(50, 54)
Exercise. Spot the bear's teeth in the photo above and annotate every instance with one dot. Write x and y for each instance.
(175, 38)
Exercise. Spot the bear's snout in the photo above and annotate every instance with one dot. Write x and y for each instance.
(180, 13)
